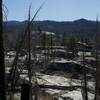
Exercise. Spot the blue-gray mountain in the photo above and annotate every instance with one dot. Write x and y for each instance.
(78, 28)
(80, 25)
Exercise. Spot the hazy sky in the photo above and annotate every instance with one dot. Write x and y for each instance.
(59, 10)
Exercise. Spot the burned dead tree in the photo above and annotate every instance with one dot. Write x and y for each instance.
(2, 65)
(25, 92)
(14, 73)
(85, 90)
(97, 87)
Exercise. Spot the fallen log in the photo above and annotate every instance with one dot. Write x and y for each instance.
(64, 87)
(58, 87)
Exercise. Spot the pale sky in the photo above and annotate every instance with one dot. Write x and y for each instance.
(58, 10)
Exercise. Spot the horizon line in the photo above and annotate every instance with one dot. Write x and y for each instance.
(53, 20)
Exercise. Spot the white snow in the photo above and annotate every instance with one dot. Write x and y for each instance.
(62, 81)
(49, 33)
(77, 95)
(57, 80)
(91, 85)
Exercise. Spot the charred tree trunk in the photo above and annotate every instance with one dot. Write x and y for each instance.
(2, 66)
(25, 91)
(97, 88)
(85, 90)
(84, 80)
(97, 91)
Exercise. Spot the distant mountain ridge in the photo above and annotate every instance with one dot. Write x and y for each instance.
(57, 27)
(79, 28)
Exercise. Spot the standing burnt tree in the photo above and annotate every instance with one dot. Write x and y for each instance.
(2, 66)
(97, 43)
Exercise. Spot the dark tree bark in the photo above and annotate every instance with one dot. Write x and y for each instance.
(85, 90)
(97, 88)
(97, 93)
(2, 66)
(25, 91)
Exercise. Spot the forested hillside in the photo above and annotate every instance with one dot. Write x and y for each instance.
(78, 28)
